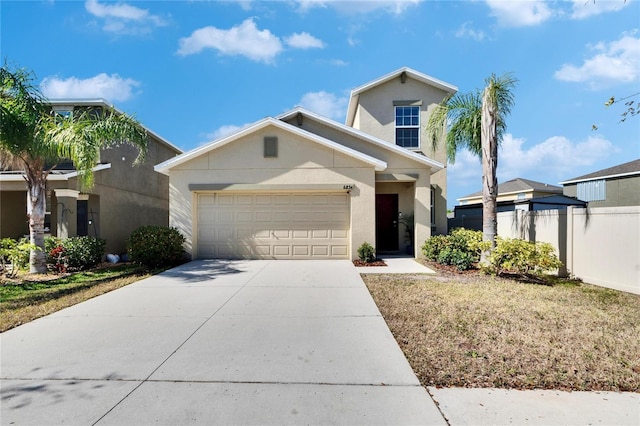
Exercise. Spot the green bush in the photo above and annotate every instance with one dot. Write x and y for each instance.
(522, 257)
(366, 252)
(156, 246)
(460, 248)
(76, 253)
(16, 253)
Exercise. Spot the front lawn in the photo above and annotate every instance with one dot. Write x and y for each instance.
(30, 297)
(473, 330)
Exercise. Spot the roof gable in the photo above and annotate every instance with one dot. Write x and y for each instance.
(407, 72)
(519, 185)
(166, 166)
(625, 169)
(419, 158)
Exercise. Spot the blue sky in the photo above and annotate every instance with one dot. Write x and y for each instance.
(193, 70)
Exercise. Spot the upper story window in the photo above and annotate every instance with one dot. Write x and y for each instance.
(593, 190)
(408, 126)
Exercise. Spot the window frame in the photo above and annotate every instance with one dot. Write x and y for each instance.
(410, 126)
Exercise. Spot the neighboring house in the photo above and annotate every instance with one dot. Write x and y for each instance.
(123, 198)
(616, 186)
(515, 194)
(515, 189)
(303, 186)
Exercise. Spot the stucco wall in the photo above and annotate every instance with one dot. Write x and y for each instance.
(299, 162)
(376, 116)
(620, 192)
(599, 245)
(13, 214)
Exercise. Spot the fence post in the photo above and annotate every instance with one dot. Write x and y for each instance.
(569, 243)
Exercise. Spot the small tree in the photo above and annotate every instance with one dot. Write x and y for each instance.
(33, 137)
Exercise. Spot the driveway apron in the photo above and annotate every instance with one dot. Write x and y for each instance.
(216, 342)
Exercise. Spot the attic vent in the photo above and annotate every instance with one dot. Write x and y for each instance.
(270, 146)
(403, 77)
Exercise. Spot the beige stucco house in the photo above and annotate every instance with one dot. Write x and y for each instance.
(123, 198)
(300, 185)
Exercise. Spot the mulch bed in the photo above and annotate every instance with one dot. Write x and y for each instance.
(377, 262)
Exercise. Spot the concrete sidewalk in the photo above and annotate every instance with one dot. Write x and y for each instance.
(216, 342)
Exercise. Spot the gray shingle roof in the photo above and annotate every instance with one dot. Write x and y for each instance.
(620, 169)
(519, 185)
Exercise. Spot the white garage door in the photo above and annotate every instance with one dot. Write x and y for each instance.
(273, 225)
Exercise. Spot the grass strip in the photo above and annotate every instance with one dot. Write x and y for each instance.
(25, 301)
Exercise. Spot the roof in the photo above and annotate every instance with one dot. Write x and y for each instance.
(420, 158)
(519, 185)
(269, 121)
(626, 169)
(424, 78)
(103, 103)
(558, 199)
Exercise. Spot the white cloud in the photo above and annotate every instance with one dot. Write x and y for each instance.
(304, 41)
(613, 63)
(550, 161)
(519, 13)
(583, 9)
(553, 158)
(122, 18)
(223, 131)
(466, 30)
(359, 7)
(244, 40)
(111, 87)
(325, 104)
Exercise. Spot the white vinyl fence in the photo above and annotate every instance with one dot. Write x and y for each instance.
(600, 246)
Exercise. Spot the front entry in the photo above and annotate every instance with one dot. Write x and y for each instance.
(386, 222)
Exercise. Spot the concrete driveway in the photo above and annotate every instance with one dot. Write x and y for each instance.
(216, 342)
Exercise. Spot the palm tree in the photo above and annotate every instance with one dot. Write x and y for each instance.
(33, 137)
(476, 121)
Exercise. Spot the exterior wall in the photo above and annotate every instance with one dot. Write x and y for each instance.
(299, 162)
(510, 197)
(130, 196)
(13, 214)
(620, 192)
(599, 245)
(376, 116)
(402, 165)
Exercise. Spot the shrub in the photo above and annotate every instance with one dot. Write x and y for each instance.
(156, 246)
(73, 253)
(522, 257)
(460, 248)
(366, 252)
(16, 253)
(83, 252)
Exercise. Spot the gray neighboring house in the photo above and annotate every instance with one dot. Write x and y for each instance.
(515, 194)
(122, 199)
(612, 187)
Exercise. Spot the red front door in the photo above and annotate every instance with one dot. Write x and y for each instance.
(386, 222)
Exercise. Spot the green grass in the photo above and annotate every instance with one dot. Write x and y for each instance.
(25, 299)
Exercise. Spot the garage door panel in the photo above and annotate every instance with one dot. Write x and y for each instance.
(273, 225)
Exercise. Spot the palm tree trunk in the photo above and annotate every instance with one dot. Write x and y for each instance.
(36, 207)
(489, 168)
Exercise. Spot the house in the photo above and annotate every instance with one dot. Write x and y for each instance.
(515, 194)
(123, 197)
(302, 186)
(515, 189)
(612, 187)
